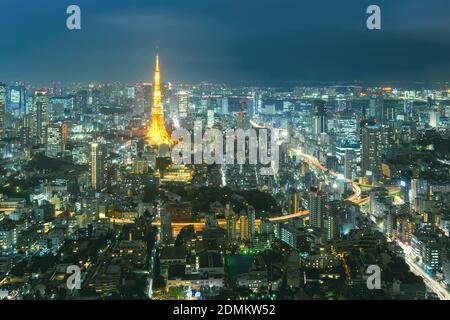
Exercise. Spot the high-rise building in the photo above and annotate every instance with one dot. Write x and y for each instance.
(244, 228)
(64, 135)
(98, 157)
(17, 99)
(8, 234)
(251, 214)
(53, 144)
(2, 109)
(157, 133)
(435, 118)
(371, 152)
(294, 202)
(166, 226)
(143, 98)
(432, 255)
(210, 120)
(204, 102)
(317, 209)
(183, 104)
(333, 220)
(376, 110)
(42, 118)
(319, 118)
(349, 163)
(231, 221)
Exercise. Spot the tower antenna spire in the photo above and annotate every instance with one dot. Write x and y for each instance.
(157, 133)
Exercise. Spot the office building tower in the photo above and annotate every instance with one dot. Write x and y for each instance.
(332, 221)
(42, 117)
(435, 118)
(319, 118)
(183, 104)
(317, 209)
(210, 120)
(349, 163)
(371, 152)
(64, 135)
(166, 226)
(225, 106)
(2, 109)
(143, 98)
(98, 159)
(53, 145)
(231, 221)
(17, 99)
(8, 235)
(204, 102)
(244, 228)
(294, 202)
(251, 214)
(332, 162)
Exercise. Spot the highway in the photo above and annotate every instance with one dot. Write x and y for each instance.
(431, 283)
(355, 197)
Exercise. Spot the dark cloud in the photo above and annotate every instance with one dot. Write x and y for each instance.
(225, 41)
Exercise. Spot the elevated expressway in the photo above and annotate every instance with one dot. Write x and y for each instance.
(355, 197)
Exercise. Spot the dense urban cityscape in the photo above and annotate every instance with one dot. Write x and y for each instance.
(93, 205)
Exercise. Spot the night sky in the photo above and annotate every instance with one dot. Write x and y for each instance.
(265, 41)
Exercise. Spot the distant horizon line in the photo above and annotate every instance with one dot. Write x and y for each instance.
(254, 83)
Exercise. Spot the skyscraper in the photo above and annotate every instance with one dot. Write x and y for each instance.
(349, 163)
(251, 223)
(42, 119)
(183, 100)
(17, 99)
(157, 133)
(2, 109)
(231, 221)
(53, 144)
(166, 226)
(319, 118)
(294, 202)
(210, 120)
(332, 221)
(64, 135)
(371, 152)
(97, 165)
(244, 230)
(317, 209)
(143, 95)
(434, 118)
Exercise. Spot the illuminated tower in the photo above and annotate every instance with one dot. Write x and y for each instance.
(157, 133)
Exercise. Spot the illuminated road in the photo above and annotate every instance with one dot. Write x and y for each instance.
(300, 214)
(315, 162)
(355, 197)
(431, 283)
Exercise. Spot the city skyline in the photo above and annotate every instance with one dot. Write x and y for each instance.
(225, 151)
